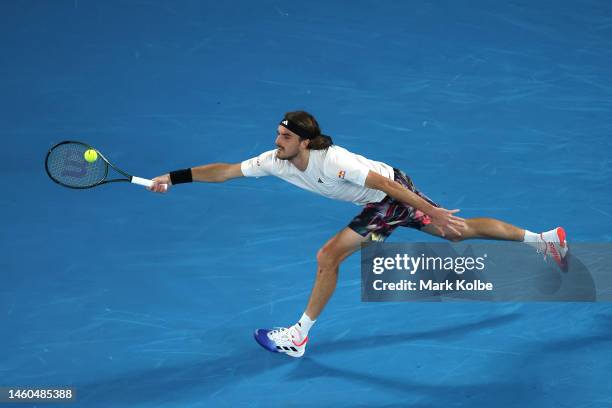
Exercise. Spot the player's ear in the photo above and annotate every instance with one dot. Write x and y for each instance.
(305, 143)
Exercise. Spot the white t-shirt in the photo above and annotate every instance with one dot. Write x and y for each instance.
(334, 172)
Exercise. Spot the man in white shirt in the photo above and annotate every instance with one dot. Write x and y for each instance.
(307, 158)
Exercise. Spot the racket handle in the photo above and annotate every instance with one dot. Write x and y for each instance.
(145, 182)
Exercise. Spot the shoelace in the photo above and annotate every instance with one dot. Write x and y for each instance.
(545, 247)
(542, 247)
(283, 333)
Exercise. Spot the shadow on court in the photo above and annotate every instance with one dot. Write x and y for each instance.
(405, 384)
(389, 340)
(409, 389)
(209, 376)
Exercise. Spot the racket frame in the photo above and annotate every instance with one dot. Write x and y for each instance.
(129, 178)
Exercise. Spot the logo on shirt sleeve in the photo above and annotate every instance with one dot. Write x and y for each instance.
(258, 162)
(341, 174)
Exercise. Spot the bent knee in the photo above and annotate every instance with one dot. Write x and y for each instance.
(327, 257)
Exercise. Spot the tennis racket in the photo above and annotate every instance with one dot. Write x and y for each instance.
(67, 166)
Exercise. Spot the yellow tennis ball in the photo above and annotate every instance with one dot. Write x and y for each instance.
(90, 155)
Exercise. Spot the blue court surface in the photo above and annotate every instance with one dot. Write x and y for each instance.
(135, 299)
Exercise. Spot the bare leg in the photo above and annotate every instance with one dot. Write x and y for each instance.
(329, 258)
(483, 228)
(348, 241)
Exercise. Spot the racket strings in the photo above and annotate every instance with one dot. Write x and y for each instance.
(67, 165)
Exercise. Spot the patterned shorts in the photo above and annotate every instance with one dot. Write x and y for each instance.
(382, 218)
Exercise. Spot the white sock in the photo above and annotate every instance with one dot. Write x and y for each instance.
(304, 325)
(531, 237)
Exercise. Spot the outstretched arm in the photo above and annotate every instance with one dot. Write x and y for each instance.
(441, 218)
(216, 172)
(208, 173)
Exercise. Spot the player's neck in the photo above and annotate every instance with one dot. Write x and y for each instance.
(301, 160)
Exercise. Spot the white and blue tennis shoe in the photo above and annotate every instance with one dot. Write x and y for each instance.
(282, 340)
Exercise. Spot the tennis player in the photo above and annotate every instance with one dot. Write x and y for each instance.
(308, 159)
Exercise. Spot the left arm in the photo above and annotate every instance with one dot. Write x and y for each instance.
(400, 193)
(442, 218)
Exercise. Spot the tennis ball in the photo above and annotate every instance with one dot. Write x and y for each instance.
(90, 155)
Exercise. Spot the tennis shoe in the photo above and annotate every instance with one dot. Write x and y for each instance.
(282, 340)
(554, 244)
